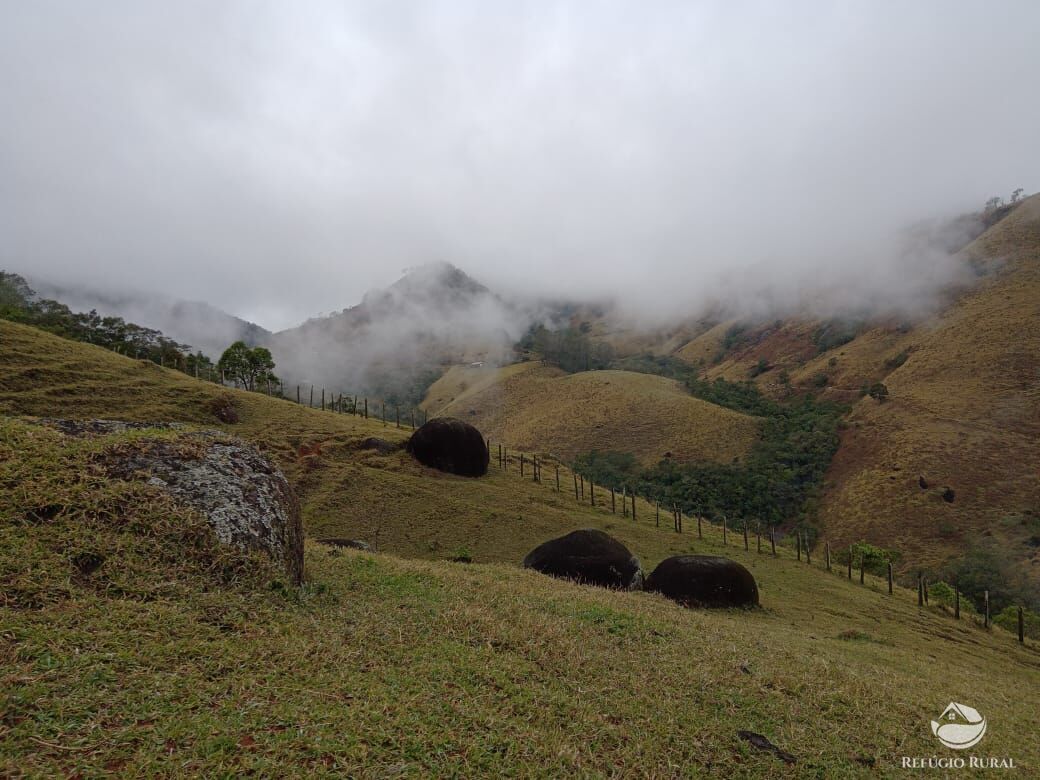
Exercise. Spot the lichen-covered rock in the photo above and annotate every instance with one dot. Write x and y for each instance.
(246, 499)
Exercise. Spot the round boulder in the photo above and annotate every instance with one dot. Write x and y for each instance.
(451, 445)
(588, 556)
(704, 581)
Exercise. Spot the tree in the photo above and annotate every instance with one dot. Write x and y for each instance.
(245, 365)
(15, 293)
(878, 392)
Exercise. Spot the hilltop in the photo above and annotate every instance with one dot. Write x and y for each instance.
(961, 416)
(383, 664)
(397, 341)
(541, 409)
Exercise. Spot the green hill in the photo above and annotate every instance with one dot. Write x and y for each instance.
(187, 659)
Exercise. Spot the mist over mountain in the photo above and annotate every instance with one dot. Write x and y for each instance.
(199, 324)
(279, 161)
(398, 339)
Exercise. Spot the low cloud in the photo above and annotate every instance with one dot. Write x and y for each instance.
(280, 161)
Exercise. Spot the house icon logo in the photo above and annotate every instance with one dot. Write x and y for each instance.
(959, 727)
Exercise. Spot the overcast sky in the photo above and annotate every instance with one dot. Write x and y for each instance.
(279, 159)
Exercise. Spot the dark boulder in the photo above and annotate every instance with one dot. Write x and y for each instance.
(588, 556)
(704, 581)
(922, 482)
(948, 495)
(451, 445)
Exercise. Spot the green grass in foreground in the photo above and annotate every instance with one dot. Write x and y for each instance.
(179, 657)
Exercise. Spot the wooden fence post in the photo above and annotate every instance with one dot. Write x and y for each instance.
(827, 554)
(862, 564)
(808, 552)
(850, 563)
(890, 578)
(700, 531)
(613, 501)
(310, 404)
(758, 537)
(557, 477)
(581, 481)
(956, 603)
(575, 486)
(746, 548)
(411, 416)
(1021, 626)
(624, 501)
(985, 598)
(725, 538)
(521, 464)
(383, 407)
(657, 514)
(592, 492)
(397, 418)
(798, 543)
(297, 393)
(633, 506)
(926, 592)
(920, 590)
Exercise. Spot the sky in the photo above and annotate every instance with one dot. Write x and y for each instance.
(280, 159)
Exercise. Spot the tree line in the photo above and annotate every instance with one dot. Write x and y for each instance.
(250, 367)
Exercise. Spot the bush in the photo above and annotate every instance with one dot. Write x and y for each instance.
(944, 595)
(897, 360)
(879, 392)
(760, 367)
(1007, 619)
(875, 559)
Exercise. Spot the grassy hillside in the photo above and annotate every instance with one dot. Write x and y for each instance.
(163, 662)
(965, 413)
(540, 409)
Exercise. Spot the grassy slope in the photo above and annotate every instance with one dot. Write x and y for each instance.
(383, 665)
(541, 409)
(964, 412)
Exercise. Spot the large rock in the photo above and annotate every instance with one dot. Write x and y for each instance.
(588, 556)
(451, 445)
(245, 498)
(704, 581)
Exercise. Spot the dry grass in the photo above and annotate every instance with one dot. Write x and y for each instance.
(964, 412)
(539, 409)
(382, 666)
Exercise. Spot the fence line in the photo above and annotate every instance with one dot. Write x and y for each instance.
(360, 408)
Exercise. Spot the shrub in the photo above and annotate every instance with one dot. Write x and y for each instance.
(1007, 619)
(760, 367)
(875, 559)
(896, 361)
(879, 392)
